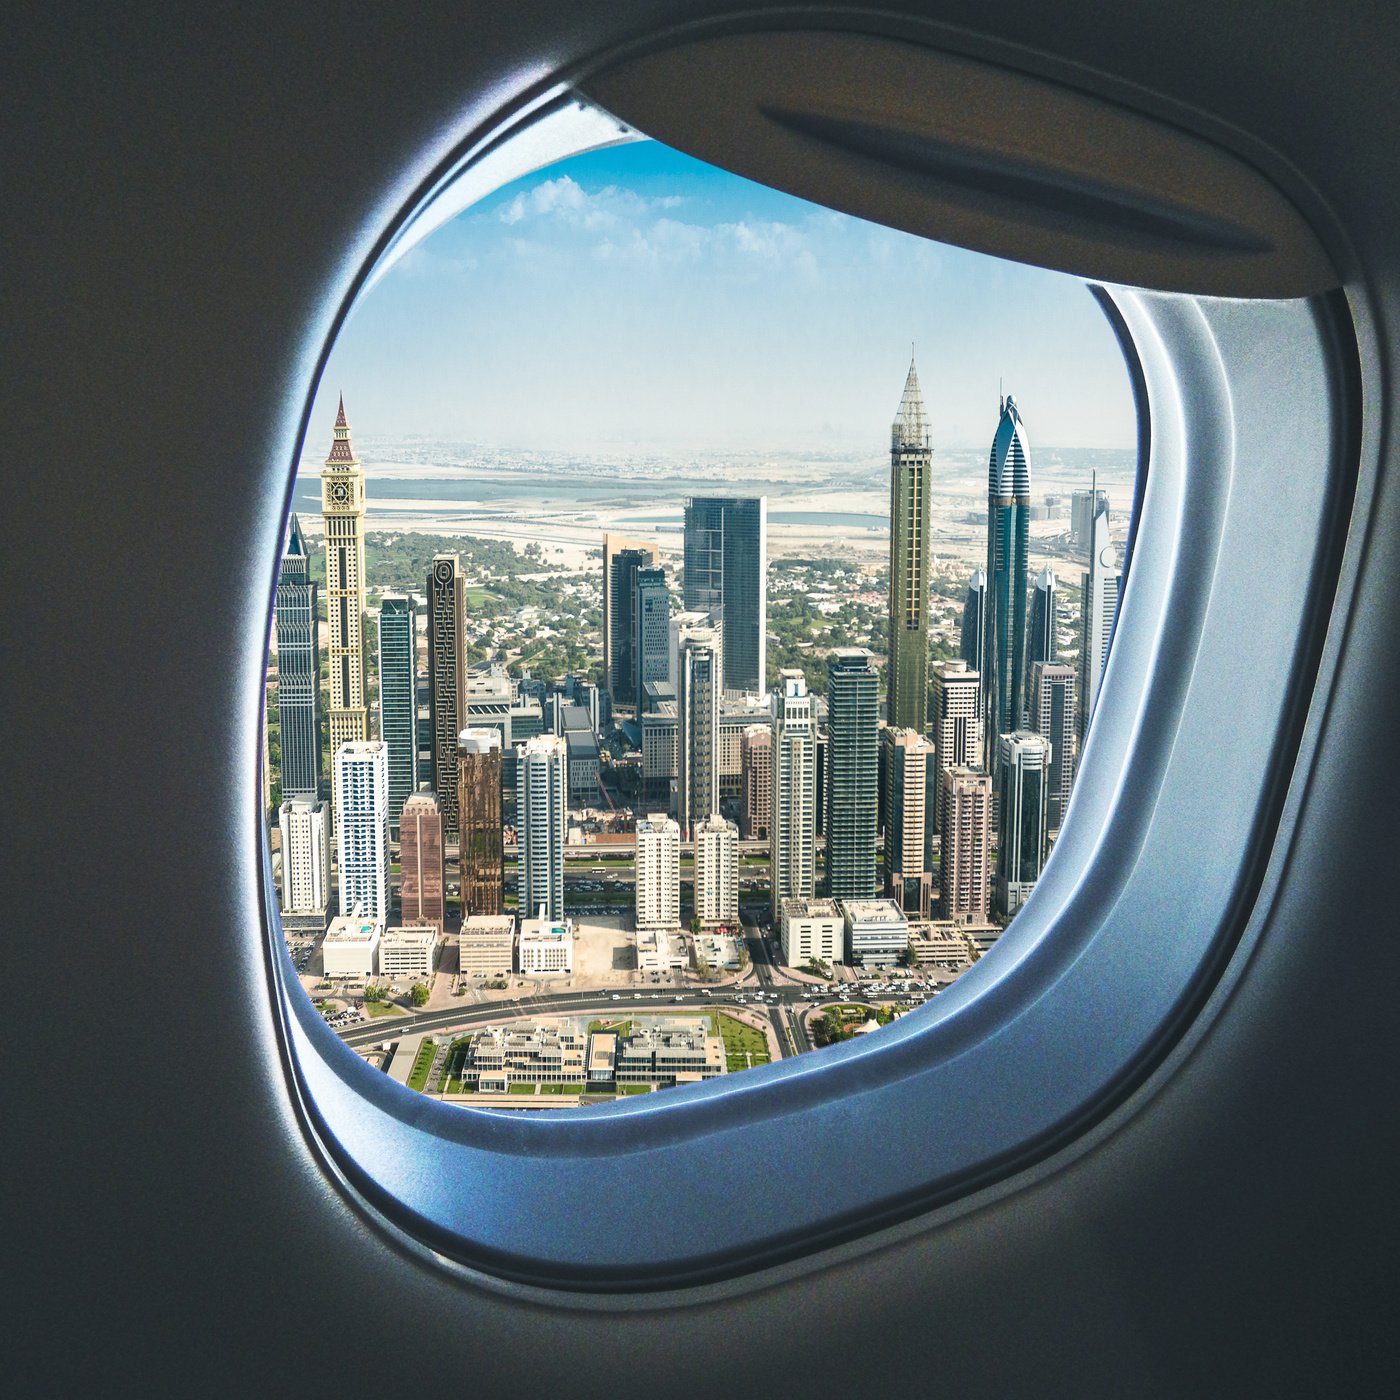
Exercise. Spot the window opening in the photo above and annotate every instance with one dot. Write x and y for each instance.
(650, 720)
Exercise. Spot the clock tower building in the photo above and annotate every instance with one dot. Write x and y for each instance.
(343, 506)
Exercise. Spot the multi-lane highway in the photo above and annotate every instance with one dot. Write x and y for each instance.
(781, 1005)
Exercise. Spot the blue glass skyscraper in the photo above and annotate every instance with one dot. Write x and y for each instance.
(1008, 538)
(726, 575)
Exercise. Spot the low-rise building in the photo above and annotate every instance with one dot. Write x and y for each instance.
(877, 932)
(351, 947)
(661, 950)
(718, 951)
(546, 947)
(813, 930)
(501, 1056)
(948, 943)
(670, 1051)
(409, 950)
(486, 946)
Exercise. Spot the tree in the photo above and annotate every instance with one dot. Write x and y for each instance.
(696, 925)
(374, 992)
(419, 994)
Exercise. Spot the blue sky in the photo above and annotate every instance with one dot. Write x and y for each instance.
(635, 299)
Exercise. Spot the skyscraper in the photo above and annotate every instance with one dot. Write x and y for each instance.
(651, 629)
(542, 777)
(792, 842)
(362, 829)
(447, 678)
(955, 721)
(1084, 506)
(717, 871)
(911, 467)
(973, 640)
(911, 794)
(398, 699)
(756, 802)
(1008, 536)
(298, 669)
(726, 575)
(966, 803)
(422, 896)
(1051, 703)
(658, 872)
(1023, 771)
(621, 560)
(306, 862)
(479, 816)
(852, 774)
(697, 714)
(1040, 631)
(343, 506)
(1098, 613)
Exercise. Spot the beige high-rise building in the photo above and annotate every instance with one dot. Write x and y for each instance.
(955, 720)
(343, 508)
(756, 802)
(422, 897)
(479, 816)
(908, 878)
(966, 804)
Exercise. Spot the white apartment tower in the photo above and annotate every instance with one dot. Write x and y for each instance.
(362, 829)
(542, 784)
(717, 871)
(956, 719)
(792, 841)
(658, 872)
(1099, 611)
(306, 855)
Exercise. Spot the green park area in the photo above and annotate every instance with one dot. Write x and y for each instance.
(744, 1047)
(418, 1075)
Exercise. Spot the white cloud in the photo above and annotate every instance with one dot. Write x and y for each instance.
(566, 200)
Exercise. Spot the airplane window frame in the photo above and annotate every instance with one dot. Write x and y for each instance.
(463, 1183)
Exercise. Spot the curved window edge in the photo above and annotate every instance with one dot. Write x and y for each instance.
(405, 1153)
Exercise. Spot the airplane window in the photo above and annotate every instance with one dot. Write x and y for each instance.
(648, 736)
(625, 658)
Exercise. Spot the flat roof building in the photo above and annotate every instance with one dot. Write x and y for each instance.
(351, 947)
(877, 932)
(813, 930)
(486, 946)
(408, 951)
(546, 947)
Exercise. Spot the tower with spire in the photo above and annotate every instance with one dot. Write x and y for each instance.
(911, 464)
(343, 506)
(1008, 540)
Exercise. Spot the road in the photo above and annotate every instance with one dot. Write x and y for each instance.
(792, 1038)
